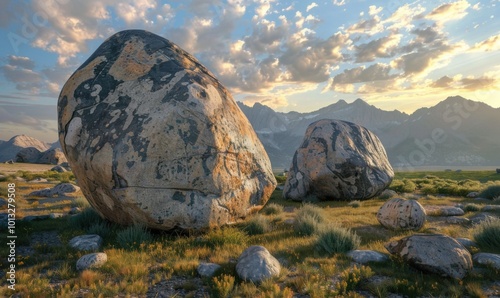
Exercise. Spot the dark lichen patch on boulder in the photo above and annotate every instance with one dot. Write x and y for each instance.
(154, 138)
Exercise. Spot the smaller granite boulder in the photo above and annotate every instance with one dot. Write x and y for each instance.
(367, 256)
(256, 264)
(86, 242)
(339, 161)
(207, 269)
(94, 260)
(487, 259)
(401, 214)
(433, 253)
(388, 193)
(491, 208)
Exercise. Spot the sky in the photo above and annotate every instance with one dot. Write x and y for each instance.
(288, 55)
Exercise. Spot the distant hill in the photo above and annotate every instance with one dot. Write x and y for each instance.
(9, 149)
(455, 132)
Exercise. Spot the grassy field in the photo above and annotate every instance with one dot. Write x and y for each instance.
(142, 263)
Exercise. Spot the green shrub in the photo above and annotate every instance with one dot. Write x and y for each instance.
(404, 185)
(272, 209)
(335, 239)
(472, 207)
(280, 179)
(101, 228)
(305, 225)
(487, 235)
(354, 204)
(81, 202)
(223, 236)
(133, 236)
(85, 219)
(351, 277)
(222, 286)
(492, 192)
(308, 218)
(257, 225)
(312, 210)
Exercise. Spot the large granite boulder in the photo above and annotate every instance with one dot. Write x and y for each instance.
(338, 160)
(401, 214)
(434, 253)
(154, 138)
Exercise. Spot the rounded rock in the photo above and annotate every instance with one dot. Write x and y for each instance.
(401, 214)
(94, 260)
(338, 160)
(154, 138)
(256, 264)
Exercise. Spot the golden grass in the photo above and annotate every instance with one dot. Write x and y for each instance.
(133, 271)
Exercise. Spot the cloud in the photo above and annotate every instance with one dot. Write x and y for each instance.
(384, 47)
(262, 10)
(135, 11)
(375, 72)
(449, 11)
(311, 6)
(266, 37)
(369, 26)
(403, 17)
(467, 84)
(373, 10)
(491, 44)
(339, 2)
(22, 62)
(32, 116)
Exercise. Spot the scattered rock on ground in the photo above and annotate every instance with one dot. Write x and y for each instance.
(487, 259)
(55, 215)
(35, 217)
(479, 218)
(46, 192)
(367, 256)
(207, 269)
(39, 180)
(457, 220)
(338, 160)
(388, 193)
(58, 169)
(75, 210)
(443, 211)
(52, 156)
(256, 264)
(401, 214)
(165, 144)
(467, 243)
(434, 253)
(94, 260)
(63, 189)
(473, 194)
(491, 208)
(86, 242)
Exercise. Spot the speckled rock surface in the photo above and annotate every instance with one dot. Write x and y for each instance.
(487, 259)
(367, 256)
(338, 160)
(401, 214)
(256, 264)
(434, 253)
(207, 269)
(154, 138)
(94, 260)
(86, 242)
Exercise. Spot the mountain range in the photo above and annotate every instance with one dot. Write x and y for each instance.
(455, 132)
